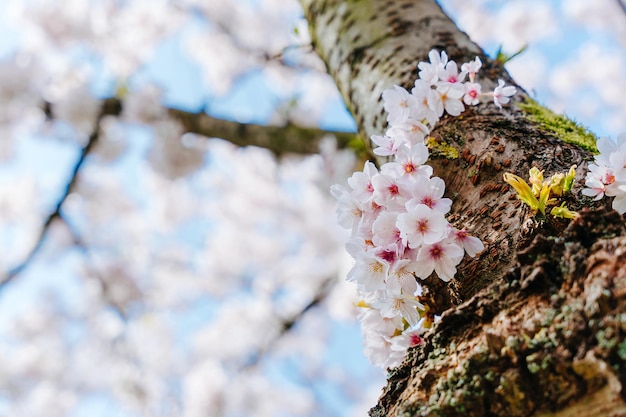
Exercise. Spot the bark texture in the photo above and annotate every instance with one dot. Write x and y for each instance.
(535, 324)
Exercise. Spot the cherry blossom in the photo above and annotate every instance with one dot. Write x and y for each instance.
(410, 162)
(369, 272)
(421, 225)
(472, 68)
(386, 145)
(607, 175)
(502, 94)
(450, 73)
(470, 244)
(397, 213)
(429, 71)
(472, 94)
(429, 192)
(451, 95)
(441, 257)
(399, 103)
(404, 305)
(361, 183)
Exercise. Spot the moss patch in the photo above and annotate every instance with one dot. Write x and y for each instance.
(441, 148)
(565, 129)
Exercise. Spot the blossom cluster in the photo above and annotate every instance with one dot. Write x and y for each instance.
(608, 175)
(397, 213)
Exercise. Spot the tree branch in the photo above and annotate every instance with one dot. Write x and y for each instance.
(288, 324)
(278, 139)
(109, 107)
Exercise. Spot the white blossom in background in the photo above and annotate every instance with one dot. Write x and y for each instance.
(151, 338)
(123, 33)
(596, 33)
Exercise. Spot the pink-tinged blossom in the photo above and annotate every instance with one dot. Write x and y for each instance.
(398, 102)
(408, 339)
(472, 94)
(358, 244)
(608, 175)
(401, 343)
(421, 225)
(450, 74)
(594, 188)
(386, 145)
(403, 305)
(502, 94)
(401, 277)
(451, 95)
(369, 272)
(377, 335)
(370, 214)
(377, 348)
(412, 131)
(361, 183)
(410, 162)
(472, 245)
(472, 68)
(384, 230)
(429, 192)
(349, 210)
(399, 229)
(389, 193)
(441, 257)
(428, 102)
(428, 70)
(389, 253)
(619, 203)
(598, 178)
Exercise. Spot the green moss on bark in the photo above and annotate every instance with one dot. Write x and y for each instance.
(565, 129)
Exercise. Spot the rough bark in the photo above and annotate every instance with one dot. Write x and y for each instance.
(535, 324)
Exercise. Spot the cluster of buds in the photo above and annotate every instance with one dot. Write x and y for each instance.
(397, 213)
(544, 193)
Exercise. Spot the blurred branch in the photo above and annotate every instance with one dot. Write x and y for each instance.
(104, 286)
(278, 139)
(109, 107)
(289, 323)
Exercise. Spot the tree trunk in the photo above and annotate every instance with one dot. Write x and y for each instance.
(535, 325)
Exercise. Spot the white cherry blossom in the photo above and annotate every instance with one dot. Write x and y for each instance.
(441, 257)
(421, 226)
